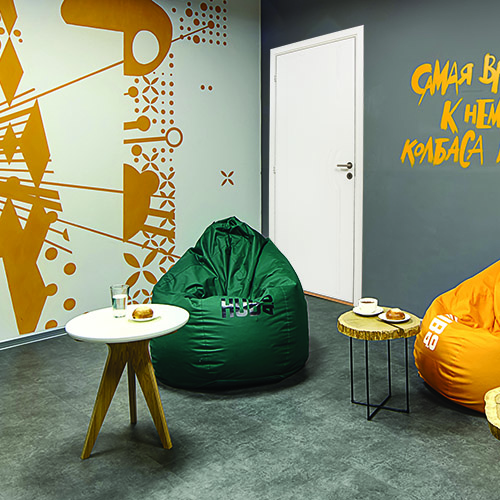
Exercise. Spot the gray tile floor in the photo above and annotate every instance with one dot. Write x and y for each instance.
(299, 439)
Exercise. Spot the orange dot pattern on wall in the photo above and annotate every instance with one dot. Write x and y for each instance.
(149, 190)
(69, 304)
(51, 253)
(153, 96)
(204, 22)
(18, 34)
(69, 269)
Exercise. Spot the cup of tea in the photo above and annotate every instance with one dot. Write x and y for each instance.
(367, 305)
(119, 299)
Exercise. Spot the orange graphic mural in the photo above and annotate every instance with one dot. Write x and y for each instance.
(129, 17)
(22, 238)
(33, 224)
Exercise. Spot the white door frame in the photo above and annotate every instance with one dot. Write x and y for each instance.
(357, 34)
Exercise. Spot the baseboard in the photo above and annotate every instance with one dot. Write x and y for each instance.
(29, 338)
(329, 298)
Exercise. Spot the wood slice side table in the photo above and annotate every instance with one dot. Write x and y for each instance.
(492, 410)
(128, 344)
(371, 328)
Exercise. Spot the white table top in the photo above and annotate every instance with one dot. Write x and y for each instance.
(101, 326)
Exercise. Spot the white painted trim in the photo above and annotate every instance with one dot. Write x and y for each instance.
(358, 34)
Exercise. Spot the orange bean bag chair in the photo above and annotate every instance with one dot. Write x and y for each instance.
(457, 352)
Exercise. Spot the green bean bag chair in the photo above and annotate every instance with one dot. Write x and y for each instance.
(248, 315)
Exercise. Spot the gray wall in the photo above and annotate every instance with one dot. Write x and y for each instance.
(429, 227)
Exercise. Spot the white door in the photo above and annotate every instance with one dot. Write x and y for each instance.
(316, 165)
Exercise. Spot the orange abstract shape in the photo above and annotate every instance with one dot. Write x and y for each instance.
(145, 293)
(131, 260)
(34, 145)
(51, 324)
(11, 71)
(150, 277)
(136, 151)
(132, 92)
(70, 269)
(137, 191)
(12, 188)
(157, 231)
(180, 137)
(129, 17)
(19, 249)
(227, 177)
(69, 304)
(9, 143)
(149, 258)
(8, 13)
(133, 279)
(142, 123)
(51, 253)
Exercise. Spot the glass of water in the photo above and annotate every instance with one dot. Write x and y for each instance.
(119, 298)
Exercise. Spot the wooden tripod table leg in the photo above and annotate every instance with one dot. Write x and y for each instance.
(141, 363)
(115, 363)
(136, 355)
(131, 394)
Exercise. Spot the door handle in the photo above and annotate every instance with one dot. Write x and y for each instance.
(347, 166)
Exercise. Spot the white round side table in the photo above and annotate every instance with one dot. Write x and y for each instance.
(128, 344)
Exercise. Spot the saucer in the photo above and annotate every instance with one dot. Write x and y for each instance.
(377, 311)
(383, 317)
(142, 320)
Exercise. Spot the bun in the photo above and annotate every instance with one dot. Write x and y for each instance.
(394, 314)
(142, 312)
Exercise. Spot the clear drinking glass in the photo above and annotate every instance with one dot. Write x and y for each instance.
(119, 299)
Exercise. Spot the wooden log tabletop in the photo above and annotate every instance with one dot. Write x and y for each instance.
(373, 328)
(492, 410)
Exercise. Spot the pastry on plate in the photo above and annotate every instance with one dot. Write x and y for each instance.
(395, 314)
(142, 312)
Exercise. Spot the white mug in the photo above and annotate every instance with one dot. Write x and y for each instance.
(367, 305)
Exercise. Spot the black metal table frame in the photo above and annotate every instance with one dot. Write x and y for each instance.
(370, 414)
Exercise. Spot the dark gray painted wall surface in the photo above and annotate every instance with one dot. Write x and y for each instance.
(426, 227)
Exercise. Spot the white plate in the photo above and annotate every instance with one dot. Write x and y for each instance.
(142, 320)
(374, 313)
(383, 317)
